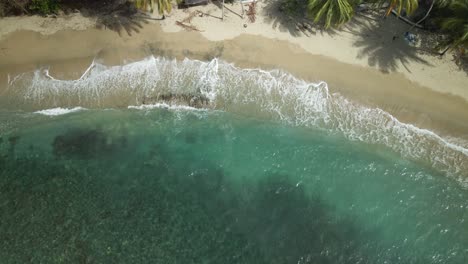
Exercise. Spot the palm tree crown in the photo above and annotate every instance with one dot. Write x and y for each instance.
(331, 12)
(457, 23)
(163, 5)
(399, 5)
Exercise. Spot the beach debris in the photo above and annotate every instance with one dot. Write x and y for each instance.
(186, 22)
(245, 25)
(252, 12)
(203, 14)
(187, 27)
(410, 38)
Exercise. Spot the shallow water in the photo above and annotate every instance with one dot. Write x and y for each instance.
(205, 186)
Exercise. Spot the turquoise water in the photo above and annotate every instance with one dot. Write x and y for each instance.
(207, 186)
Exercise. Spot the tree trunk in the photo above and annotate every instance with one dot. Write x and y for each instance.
(405, 19)
(424, 18)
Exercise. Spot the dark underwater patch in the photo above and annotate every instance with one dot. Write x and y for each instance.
(85, 144)
(161, 214)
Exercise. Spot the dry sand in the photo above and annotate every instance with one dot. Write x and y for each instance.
(429, 92)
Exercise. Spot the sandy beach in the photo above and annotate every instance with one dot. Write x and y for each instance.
(361, 61)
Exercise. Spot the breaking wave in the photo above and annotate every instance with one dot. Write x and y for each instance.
(59, 111)
(159, 82)
(165, 106)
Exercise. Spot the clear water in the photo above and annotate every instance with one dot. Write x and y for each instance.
(206, 186)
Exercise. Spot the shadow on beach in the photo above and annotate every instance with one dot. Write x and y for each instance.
(116, 15)
(291, 16)
(384, 44)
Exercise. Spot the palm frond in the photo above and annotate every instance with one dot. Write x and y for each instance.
(331, 12)
(398, 5)
(456, 24)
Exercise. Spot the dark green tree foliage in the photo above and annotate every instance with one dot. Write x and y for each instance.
(44, 7)
(331, 12)
(13, 7)
(456, 24)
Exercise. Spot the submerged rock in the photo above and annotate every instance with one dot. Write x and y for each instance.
(192, 100)
(13, 140)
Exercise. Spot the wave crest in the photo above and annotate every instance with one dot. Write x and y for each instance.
(59, 111)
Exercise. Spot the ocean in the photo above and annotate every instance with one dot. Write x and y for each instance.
(165, 161)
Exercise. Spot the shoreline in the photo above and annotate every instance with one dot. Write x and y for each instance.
(71, 50)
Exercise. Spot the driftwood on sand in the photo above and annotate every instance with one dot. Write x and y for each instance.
(185, 23)
(187, 27)
(406, 20)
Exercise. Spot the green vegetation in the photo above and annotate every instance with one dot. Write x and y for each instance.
(399, 5)
(148, 5)
(21, 7)
(456, 24)
(334, 13)
(451, 17)
(331, 12)
(2, 9)
(164, 5)
(44, 7)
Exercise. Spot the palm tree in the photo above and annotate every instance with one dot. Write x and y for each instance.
(331, 12)
(163, 5)
(456, 25)
(144, 5)
(409, 5)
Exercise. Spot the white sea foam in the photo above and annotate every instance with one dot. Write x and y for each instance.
(59, 111)
(275, 94)
(165, 106)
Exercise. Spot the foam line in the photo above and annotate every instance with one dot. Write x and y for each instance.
(59, 111)
(165, 106)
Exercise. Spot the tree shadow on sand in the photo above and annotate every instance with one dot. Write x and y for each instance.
(116, 15)
(384, 44)
(291, 16)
